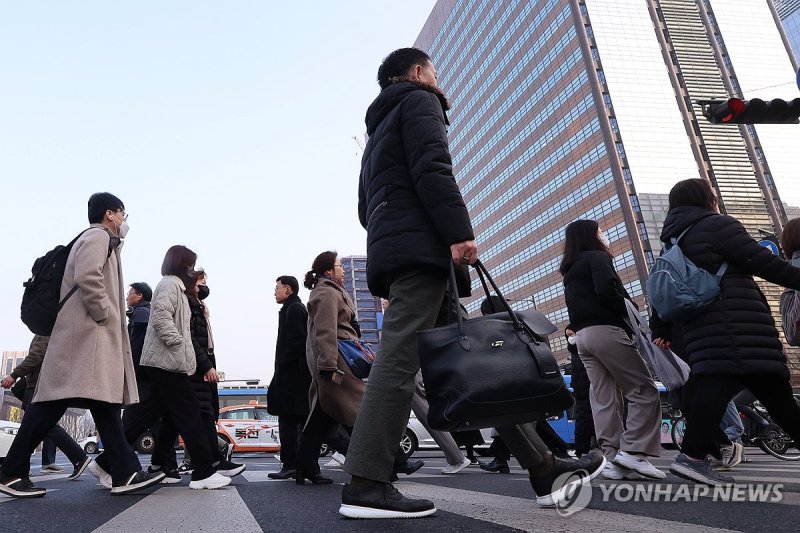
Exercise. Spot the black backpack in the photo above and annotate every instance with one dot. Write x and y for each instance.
(41, 300)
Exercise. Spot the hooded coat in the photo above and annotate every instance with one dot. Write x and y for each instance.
(736, 333)
(89, 354)
(408, 200)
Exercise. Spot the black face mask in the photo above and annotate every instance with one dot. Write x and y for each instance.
(203, 291)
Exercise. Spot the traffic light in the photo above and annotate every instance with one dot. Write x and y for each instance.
(755, 111)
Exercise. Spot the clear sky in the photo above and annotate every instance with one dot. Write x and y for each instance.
(224, 126)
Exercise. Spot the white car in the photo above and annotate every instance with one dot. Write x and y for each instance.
(8, 430)
(417, 437)
(90, 445)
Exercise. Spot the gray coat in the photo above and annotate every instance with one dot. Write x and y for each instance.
(168, 341)
(89, 355)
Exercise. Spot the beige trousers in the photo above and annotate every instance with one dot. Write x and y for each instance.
(617, 371)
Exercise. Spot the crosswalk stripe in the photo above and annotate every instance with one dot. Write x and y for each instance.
(177, 510)
(520, 513)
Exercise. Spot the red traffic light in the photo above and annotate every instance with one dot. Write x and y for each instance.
(735, 108)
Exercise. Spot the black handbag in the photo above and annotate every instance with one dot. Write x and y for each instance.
(492, 371)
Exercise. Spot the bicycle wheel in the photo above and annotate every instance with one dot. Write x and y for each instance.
(779, 444)
(678, 429)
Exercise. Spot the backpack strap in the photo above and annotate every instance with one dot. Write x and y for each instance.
(722, 269)
(675, 240)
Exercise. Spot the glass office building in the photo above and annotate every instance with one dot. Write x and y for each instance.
(568, 109)
(369, 309)
(789, 13)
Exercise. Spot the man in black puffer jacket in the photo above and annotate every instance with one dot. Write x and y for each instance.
(417, 226)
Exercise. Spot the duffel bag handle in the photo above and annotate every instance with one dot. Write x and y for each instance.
(483, 274)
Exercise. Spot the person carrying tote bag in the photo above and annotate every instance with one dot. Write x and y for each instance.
(497, 371)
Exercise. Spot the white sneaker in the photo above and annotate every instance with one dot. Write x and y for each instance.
(638, 463)
(102, 476)
(214, 481)
(454, 469)
(731, 456)
(612, 471)
(337, 460)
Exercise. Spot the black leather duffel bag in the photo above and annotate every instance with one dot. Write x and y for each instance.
(492, 371)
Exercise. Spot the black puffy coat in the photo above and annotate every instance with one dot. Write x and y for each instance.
(206, 393)
(408, 199)
(736, 333)
(594, 294)
(287, 394)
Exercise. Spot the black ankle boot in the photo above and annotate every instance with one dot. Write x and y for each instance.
(497, 465)
(317, 479)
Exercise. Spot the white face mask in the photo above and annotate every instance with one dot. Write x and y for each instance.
(603, 239)
(572, 340)
(123, 229)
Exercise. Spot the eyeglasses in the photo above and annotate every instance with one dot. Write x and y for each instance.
(124, 214)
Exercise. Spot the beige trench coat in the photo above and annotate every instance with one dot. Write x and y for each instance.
(89, 355)
(330, 311)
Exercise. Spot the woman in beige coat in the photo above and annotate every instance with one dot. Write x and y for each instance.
(335, 393)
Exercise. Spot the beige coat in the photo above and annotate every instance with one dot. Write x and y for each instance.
(168, 340)
(89, 355)
(330, 311)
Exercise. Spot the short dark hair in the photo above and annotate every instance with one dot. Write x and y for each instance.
(321, 264)
(179, 261)
(291, 282)
(398, 63)
(580, 236)
(99, 203)
(695, 192)
(790, 237)
(144, 289)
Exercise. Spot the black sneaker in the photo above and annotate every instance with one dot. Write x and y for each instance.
(381, 500)
(409, 467)
(229, 469)
(185, 468)
(698, 471)
(571, 473)
(137, 481)
(20, 487)
(170, 476)
(79, 468)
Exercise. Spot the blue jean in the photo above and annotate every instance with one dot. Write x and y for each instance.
(731, 423)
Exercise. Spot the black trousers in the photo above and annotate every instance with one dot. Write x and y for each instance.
(319, 426)
(41, 417)
(499, 450)
(164, 452)
(57, 437)
(289, 427)
(710, 397)
(172, 398)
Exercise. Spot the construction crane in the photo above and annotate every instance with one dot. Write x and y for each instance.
(361, 141)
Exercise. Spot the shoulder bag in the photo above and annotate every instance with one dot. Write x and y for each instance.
(496, 370)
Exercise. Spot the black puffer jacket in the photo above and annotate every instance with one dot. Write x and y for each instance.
(594, 294)
(408, 199)
(207, 395)
(735, 334)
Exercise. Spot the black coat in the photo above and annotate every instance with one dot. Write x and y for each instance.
(206, 393)
(408, 199)
(594, 293)
(735, 334)
(287, 394)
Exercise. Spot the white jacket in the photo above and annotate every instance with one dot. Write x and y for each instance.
(168, 341)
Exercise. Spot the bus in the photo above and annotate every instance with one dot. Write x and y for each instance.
(241, 393)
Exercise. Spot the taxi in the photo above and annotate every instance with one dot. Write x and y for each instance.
(250, 428)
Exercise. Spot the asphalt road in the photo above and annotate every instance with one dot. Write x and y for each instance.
(472, 500)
